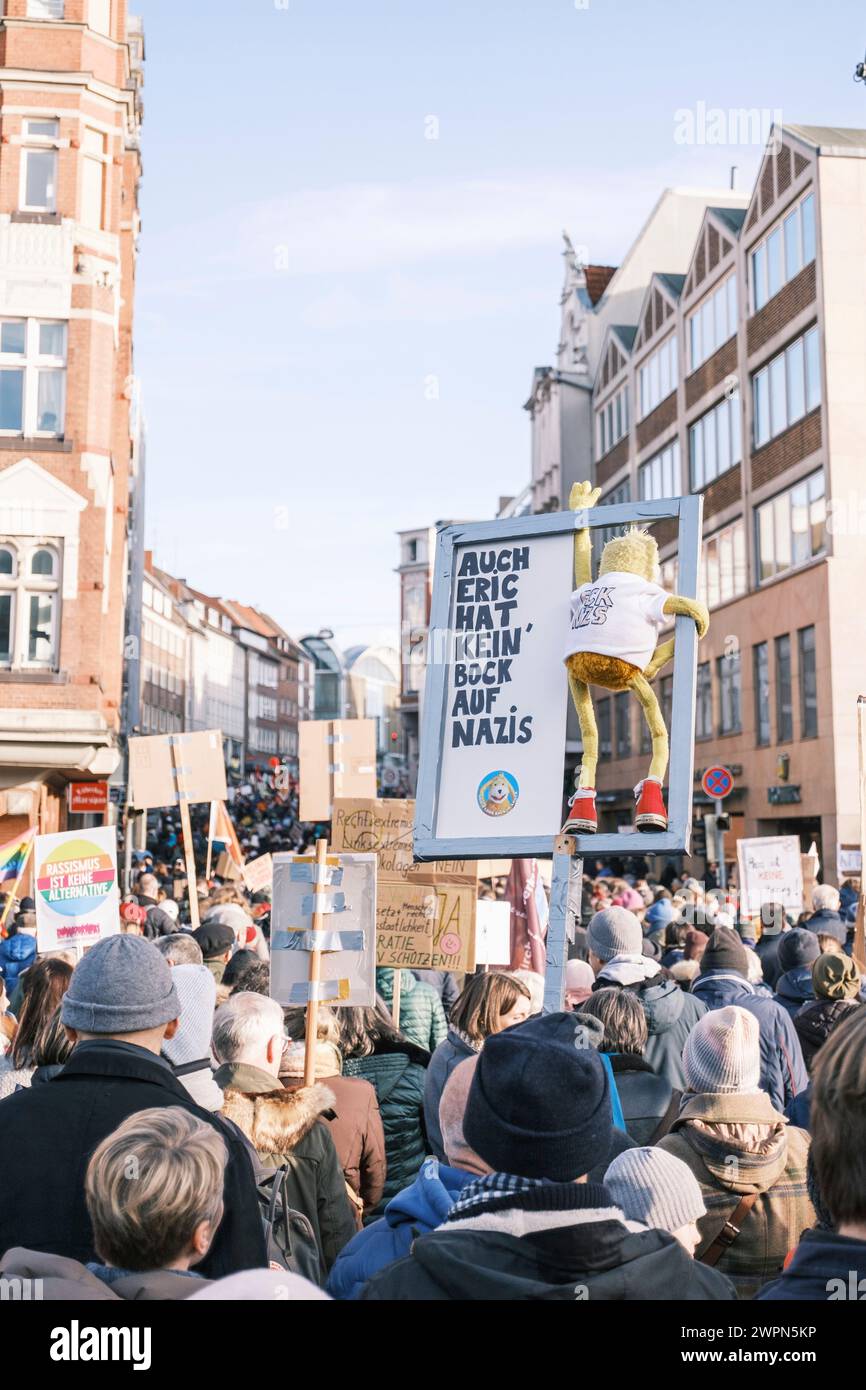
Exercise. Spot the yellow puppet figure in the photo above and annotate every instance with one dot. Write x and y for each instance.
(615, 622)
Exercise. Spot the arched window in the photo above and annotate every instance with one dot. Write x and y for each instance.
(29, 604)
(42, 563)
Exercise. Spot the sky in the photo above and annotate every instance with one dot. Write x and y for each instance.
(350, 259)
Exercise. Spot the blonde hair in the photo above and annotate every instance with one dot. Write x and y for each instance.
(150, 1184)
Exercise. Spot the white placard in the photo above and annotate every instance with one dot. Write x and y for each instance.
(290, 963)
(848, 862)
(770, 871)
(507, 691)
(492, 932)
(75, 888)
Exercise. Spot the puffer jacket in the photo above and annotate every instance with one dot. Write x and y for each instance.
(794, 989)
(448, 1055)
(422, 1018)
(397, 1075)
(671, 1014)
(815, 1022)
(783, 1072)
(17, 954)
(739, 1144)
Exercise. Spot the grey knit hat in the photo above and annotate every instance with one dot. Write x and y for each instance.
(122, 985)
(722, 1053)
(655, 1188)
(614, 932)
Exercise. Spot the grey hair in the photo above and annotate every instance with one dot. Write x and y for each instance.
(179, 949)
(825, 898)
(243, 1024)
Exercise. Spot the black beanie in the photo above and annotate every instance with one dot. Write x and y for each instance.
(725, 951)
(798, 947)
(539, 1105)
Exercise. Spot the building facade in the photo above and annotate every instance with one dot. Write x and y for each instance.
(417, 552)
(70, 113)
(166, 652)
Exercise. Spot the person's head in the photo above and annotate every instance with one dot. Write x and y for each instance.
(798, 949)
(835, 976)
(181, 948)
(539, 1106)
(614, 931)
(829, 944)
(722, 1053)
(248, 1028)
(148, 886)
(327, 1027)
(695, 944)
(256, 979)
(488, 1003)
(535, 984)
(122, 988)
(825, 898)
(364, 1028)
(154, 1191)
(838, 1124)
(579, 979)
(171, 908)
(658, 1190)
(215, 940)
(46, 982)
(725, 951)
(623, 1019)
(452, 1108)
(237, 967)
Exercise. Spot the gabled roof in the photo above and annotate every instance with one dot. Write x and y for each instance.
(716, 238)
(615, 351)
(674, 283)
(626, 332)
(830, 139)
(732, 217)
(659, 305)
(247, 617)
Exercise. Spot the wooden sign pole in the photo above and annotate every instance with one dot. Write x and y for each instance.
(189, 851)
(859, 947)
(315, 966)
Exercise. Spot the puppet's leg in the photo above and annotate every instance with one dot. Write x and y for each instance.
(582, 817)
(650, 812)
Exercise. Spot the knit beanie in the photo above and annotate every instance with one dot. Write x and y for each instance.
(196, 991)
(539, 1107)
(722, 1053)
(579, 979)
(797, 948)
(614, 932)
(655, 1188)
(452, 1109)
(696, 944)
(121, 985)
(725, 951)
(835, 977)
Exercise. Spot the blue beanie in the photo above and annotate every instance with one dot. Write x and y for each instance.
(539, 1105)
(798, 948)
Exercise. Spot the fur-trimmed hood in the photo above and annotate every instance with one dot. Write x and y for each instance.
(276, 1121)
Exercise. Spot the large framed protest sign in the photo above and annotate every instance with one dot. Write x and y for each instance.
(491, 775)
(76, 892)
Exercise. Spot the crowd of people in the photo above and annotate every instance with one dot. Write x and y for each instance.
(691, 1125)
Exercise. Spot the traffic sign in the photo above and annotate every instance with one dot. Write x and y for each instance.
(717, 782)
(88, 798)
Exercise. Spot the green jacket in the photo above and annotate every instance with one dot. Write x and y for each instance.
(422, 1018)
(398, 1078)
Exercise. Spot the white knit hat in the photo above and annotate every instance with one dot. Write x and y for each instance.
(722, 1053)
(655, 1188)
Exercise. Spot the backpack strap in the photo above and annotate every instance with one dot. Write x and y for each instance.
(667, 1119)
(729, 1232)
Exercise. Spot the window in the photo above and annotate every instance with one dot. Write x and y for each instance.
(666, 698)
(728, 669)
(660, 475)
(791, 527)
(787, 387)
(715, 442)
(38, 192)
(808, 683)
(622, 710)
(93, 179)
(658, 376)
(612, 421)
(32, 377)
(761, 676)
(722, 574)
(784, 252)
(604, 727)
(99, 16)
(713, 322)
(784, 700)
(29, 603)
(45, 9)
(704, 702)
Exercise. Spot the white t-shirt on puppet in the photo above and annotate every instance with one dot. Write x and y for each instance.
(619, 615)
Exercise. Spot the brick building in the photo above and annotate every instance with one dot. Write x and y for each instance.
(70, 112)
(741, 377)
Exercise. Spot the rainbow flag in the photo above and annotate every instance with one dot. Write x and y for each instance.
(13, 855)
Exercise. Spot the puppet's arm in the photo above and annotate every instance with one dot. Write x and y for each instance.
(581, 498)
(690, 608)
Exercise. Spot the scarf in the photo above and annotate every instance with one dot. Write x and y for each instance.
(628, 968)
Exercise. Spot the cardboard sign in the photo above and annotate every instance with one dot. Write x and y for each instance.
(337, 757)
(770, 871)
(493, 933)
(200, 775)
(88, 798)
(75, 888)
(227, 869)
(291, 920)
(385, 827)
(426, 926)
(258, 874)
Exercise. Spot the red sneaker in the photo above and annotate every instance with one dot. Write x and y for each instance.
(649, 811)
(582, 816)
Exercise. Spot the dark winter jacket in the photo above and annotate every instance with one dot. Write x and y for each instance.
(767, 951)
(829, 922)
(794, 989)
(783, 1072)
(422, 1018)
(448, 1055)
(416, 1210)
(286, 1130)
(815, 1022)
(649, 1102)
(825, 1268)
(671, 1014)
(798, 1109)
(47, 1134)
(356, 1129)
(446, 985)
(398, 1077)
(17, 954)
(561, 1242)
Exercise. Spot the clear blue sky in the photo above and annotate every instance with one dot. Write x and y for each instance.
(309, 260)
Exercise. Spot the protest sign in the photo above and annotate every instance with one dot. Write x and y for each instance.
(76, 893)
(337, 757)
(196, 773)
(493, 933)
(848, 862)
(385, 827)
(770, 871)
(258, 874)
(346, 975)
